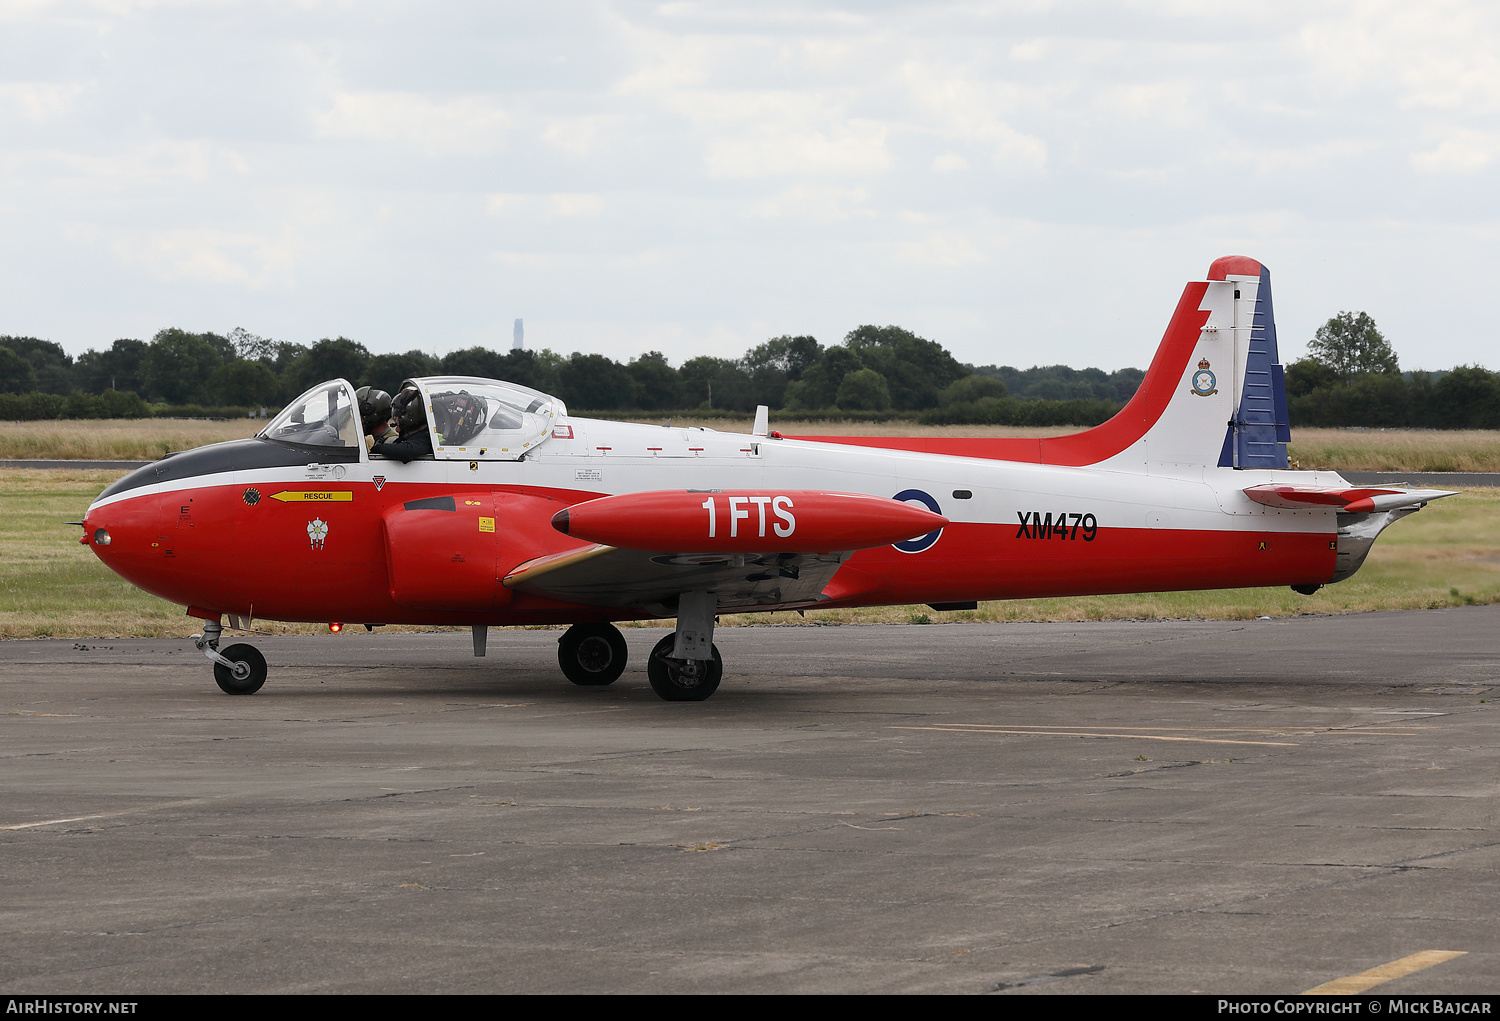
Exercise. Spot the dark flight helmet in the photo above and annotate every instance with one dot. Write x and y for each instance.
(407, 409)
(374, 407)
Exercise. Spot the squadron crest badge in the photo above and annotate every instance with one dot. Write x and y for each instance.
(379, 481)
(317, 531)
(1203, 380)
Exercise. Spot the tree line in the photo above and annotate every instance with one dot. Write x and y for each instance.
(1350, 377)
(876, 371)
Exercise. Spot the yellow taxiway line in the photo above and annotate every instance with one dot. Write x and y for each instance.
(1080, 733)
(1351, 984)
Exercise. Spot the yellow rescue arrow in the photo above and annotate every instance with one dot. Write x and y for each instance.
(305, 496)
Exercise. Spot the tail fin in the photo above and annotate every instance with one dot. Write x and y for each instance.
(1258, 434)
(1214, 394)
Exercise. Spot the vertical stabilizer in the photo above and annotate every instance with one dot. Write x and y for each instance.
(1258, 434)
(1219, 378)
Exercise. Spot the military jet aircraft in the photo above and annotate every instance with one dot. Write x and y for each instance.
(526, 514)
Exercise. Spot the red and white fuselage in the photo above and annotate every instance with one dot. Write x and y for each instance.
(1169, 494)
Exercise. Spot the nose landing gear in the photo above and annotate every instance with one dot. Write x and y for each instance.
(239, 669)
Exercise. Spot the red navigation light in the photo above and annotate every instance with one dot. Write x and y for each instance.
(335, 628)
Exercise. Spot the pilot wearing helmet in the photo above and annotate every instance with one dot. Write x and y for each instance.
(374, 414)
(415, 439)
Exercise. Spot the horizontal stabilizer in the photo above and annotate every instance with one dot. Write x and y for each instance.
(1349, 500)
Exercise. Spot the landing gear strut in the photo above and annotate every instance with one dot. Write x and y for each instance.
(239, 669)
(592, 655)
(686, 666)
(683, 680)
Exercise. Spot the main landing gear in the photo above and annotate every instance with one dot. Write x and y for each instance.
(685, 666)
(592, 655)
(683, 680)
(239, 669)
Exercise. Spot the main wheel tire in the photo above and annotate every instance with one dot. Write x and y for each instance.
(592, 655)
(683, 680)
(249, 671)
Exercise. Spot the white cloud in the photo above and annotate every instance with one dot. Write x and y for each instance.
(820, 204)
(559, 204)
(40, 101)
(465, 124)
(937, 248)
(974, 110)
(855, 148)
(1440, 54)
(576, 205)
(208, 256)
(1463, 152)
(579, 136)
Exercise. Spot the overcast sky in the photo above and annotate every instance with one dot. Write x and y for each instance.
(1025, 182)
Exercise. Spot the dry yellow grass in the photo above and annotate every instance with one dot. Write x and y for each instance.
(1413, 450)
(1348, 449)
(51, 586)
(115, 439)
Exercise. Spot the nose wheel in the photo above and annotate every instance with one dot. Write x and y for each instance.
(592, 655)
(246, 672)
(239, 669)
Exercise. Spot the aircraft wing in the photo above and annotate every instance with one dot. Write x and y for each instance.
(601, 575)
(751, 549)
(1351, 500)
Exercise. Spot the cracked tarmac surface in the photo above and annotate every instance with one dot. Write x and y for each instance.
(1162, 806)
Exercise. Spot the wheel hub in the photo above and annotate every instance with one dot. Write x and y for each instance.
(595, 655)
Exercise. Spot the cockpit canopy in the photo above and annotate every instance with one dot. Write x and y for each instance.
(325, 416)
(475, 419)
(471, 418)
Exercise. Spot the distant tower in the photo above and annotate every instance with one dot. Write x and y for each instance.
(518, 338)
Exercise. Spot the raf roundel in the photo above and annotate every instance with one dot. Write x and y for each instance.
(921, 542)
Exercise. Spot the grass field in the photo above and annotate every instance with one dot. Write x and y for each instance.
(51, 586)
(1348, 449)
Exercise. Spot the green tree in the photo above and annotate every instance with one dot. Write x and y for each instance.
(1469, 398)
(971, 389)
(864, 390)
(1308, 374)
(243, 384)
(387, 371)
(916, 369)
(819, 386)
(177, 365)
(339, 358)
(709, 382)
(51, 366)
(474, 361)
(776, 363)
(594, 382)
(1350, 344)
(118, 367)
(16, 374)
(658, 386)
